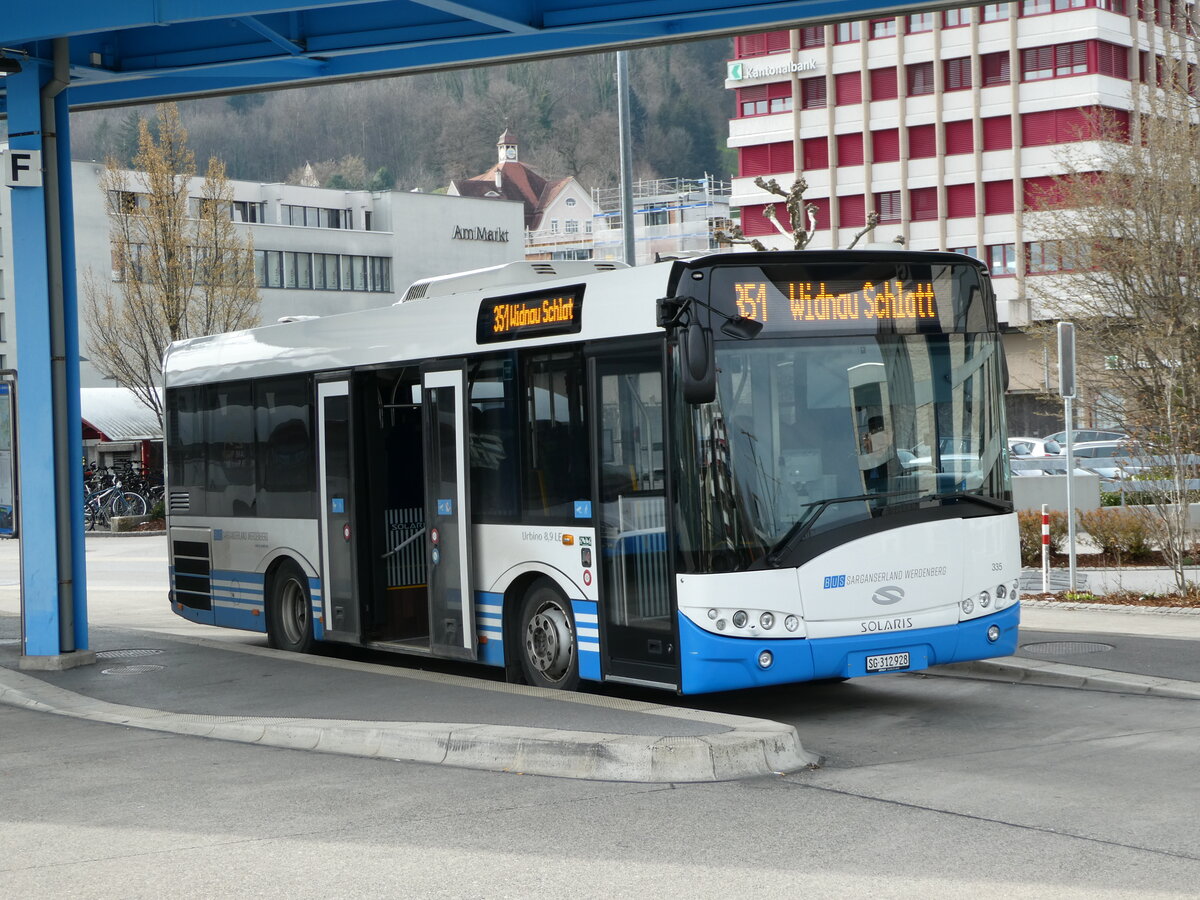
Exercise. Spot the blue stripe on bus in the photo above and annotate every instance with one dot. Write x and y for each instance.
(489, 625)
(587, 638)
(318, 609)
(713, 662)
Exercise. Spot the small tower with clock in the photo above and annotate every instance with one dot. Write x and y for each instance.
(506, 147)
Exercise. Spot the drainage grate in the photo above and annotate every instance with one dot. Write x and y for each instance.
(131, 670)
(1065, 648)
(125, 654)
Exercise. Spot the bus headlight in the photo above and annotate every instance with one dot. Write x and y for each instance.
(712, 614)
(767, 621)
(985, 599)
(993, 633)
(765, 659)
(740, 619)
(968, 606)
(791, 623)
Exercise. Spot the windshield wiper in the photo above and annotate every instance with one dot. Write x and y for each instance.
(804, 525)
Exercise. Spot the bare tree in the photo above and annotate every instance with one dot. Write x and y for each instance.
(179, 267)
(1123, 241)
(801, 215)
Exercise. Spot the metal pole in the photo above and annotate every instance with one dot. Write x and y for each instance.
(1070, 490)
(624, 137)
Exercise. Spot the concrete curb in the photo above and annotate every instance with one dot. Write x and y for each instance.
(756, 748)
(1050, 674)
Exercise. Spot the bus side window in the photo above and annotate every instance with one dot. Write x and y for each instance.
(493, 455)
(556, 455)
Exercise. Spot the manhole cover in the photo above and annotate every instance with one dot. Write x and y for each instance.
(1065, 648)
(131, 670)
(124, 654)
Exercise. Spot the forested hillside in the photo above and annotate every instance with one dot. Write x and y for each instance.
(420, 131)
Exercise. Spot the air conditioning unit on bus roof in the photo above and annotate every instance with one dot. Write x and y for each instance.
(507, 274)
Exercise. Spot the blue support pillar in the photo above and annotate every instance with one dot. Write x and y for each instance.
(53, 597)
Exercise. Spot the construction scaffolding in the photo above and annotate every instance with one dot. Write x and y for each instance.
(671, 215)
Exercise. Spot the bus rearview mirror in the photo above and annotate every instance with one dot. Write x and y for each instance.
(697, 364)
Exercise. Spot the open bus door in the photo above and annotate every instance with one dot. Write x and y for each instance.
(447, 512)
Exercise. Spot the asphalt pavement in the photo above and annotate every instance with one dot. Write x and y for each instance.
(341, 701)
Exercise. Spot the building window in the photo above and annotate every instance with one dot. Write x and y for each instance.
(3, 333)
(326, 272)
(812, 36)
(883, 28)
(923, 204)
(957, 74)
(997, 133)
(571, 201)
(1060, 5)
(994, 68)
(920, 78)
(955, 18)
(851, 211)
(918, 22)
(848, 88)
(922, 141)
(994, 12)
(1038, 63)
(1002, 259)
(885, 145)
(816, 153)
(812, 93)
(887, 206)
(960, 201)
(126, 202)
(381, 273)
(1035, 7)
(781, 104)
(248, 211)
(760, 44)
(971, 251)
(753, 101)
(846, 32)
(572, 226)
(960, 137)
(1042, 257)
(315, 216)
(997, 198)
(883, 84)
(850, 149)
(554, 226)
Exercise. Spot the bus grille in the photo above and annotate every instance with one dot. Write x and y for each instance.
(179, 501)
(192, 573)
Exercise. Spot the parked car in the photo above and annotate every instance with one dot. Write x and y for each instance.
(1027, 446)
(1079, 435)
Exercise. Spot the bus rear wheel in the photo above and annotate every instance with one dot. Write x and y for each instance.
(289, 610)
(549, 649)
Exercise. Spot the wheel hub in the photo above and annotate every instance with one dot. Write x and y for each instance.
(548, 642)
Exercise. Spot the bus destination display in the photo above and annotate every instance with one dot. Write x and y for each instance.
(535, 314)
(835, 302)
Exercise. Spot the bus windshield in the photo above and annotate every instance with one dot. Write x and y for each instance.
(808, 436)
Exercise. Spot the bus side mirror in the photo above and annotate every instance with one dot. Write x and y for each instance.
(697, 364)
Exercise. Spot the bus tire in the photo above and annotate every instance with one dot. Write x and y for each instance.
(289, 610)
(546, 631)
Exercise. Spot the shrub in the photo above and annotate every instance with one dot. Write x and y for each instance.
(1029, 524)
(1118, 532)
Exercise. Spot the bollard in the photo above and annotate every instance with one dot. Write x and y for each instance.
(1045, 550)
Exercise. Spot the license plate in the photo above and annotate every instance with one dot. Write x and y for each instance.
(887, 661)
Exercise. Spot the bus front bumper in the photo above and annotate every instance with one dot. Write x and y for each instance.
(712, 662)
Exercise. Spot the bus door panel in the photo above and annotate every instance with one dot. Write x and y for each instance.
(447, 514)
(337, 509)
(635, 585)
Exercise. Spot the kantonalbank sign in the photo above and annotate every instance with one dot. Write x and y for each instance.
(739, 71)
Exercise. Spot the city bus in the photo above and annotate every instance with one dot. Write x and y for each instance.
(709, 473)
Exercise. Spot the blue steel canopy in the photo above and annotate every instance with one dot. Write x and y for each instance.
(134, 51)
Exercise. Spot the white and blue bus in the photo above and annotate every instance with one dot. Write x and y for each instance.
(735, 470)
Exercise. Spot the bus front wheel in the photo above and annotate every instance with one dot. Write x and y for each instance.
(289, 610)
(549, 649)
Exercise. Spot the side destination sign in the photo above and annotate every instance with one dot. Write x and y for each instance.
(535, 314)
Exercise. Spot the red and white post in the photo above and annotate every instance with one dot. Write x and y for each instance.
(1045, 550)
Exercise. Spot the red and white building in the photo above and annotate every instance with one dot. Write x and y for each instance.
(948, 124)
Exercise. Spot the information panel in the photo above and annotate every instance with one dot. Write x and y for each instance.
(868, 298)
(533, 314)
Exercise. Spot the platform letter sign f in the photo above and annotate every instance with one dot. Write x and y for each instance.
(23, 168)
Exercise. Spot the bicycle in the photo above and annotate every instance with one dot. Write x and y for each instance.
(108, 499)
